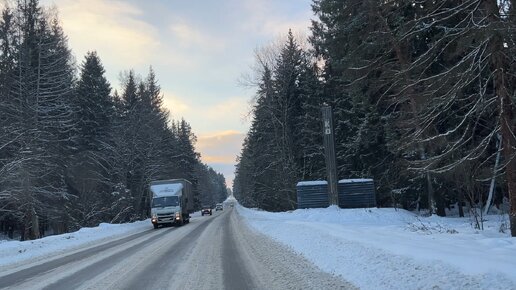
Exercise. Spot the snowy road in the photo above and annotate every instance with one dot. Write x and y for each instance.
(217, 252)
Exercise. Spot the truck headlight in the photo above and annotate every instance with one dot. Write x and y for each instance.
(178, 216)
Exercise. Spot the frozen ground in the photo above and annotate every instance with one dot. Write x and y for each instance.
(395, 249)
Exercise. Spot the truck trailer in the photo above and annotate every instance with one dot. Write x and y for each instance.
(171, 202)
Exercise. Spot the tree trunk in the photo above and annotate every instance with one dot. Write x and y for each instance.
(509, 143)
(493, 179)
(31, 225)
(461, 200)
(35, 234)
(499, 66)
(431, 196)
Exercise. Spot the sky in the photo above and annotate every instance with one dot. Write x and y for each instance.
(199, 50)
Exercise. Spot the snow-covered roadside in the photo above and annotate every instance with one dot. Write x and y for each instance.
(395, 249)
(14, 252)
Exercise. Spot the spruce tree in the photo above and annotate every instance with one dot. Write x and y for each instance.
(88, 173)
(42, 82)
(94, 104)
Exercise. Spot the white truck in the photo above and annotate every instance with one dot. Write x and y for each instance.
(171, 202)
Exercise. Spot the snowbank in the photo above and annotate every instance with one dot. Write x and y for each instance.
(395, 249)
(12, 252)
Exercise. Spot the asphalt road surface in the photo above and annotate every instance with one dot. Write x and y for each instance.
(211, 252)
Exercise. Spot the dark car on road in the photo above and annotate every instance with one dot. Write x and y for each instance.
(206, 210)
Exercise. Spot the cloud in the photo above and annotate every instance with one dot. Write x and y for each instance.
(219, 150)
(113, 28)
(175, 104)
(209, 114)
(235, 107)
(220, 147)
(268, 17)
(222, 134)
(188, 36)
(278, 27)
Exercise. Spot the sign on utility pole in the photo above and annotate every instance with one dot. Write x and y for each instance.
(329, 149)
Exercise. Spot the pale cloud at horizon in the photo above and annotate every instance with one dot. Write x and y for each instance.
(219, 148)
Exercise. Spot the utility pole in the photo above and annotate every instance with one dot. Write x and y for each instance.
(329, 149)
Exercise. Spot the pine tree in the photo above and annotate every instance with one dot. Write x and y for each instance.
(311, 162)
(41, 94)
(88, 172)
(9, 133)
(269, 165)
(94, 104)
(189, 158)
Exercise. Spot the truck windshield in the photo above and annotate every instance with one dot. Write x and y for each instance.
(165, 201)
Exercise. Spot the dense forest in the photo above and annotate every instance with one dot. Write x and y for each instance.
(74, 152)
(423, 95)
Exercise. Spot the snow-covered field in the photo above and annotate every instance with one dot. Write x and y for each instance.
(395, 249)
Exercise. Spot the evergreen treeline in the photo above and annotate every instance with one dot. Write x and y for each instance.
(72, 153)
(423, 94)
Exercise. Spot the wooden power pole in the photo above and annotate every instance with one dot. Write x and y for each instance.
(329, 149)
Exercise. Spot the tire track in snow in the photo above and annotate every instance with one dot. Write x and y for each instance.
(236, 274)
(28, 273)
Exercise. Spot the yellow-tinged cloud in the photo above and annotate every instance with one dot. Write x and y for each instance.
(219, 150)
(112, 28)
(231, 107)
(220, 147)
(175, 104)
(221, 134)
(218, 159)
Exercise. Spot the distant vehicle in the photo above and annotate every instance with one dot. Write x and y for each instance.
(206, 210)
(172, 202)
(219, 207)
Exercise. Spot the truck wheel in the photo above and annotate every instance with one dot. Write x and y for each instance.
(155, 226)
